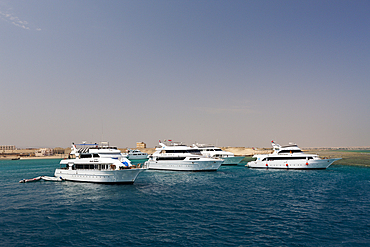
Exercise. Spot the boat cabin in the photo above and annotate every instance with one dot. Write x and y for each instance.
(181, 151)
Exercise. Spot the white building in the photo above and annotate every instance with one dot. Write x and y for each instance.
(44, 152)
(7, 147)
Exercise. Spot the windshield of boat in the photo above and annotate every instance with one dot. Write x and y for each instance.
(195, 151)
(191, 151)
(290, 151)
(273, 158)
(213, 149)
(89, 155)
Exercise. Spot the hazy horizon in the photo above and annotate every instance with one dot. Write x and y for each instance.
(189, 144)
(229, 73)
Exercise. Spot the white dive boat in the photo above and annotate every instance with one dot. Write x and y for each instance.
(136, 155)
(289, 157)
(179, 157)
(215, 152)
(92, 167)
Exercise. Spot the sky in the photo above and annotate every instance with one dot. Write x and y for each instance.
(228, 73)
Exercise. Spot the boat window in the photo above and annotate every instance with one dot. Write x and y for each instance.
(87, 166)
(218, 149)
(193, 158)
(85, 156)
(285, 158)
(194, 151)
(170, 158)
(191, 151)
(290, 151)
(96, 155)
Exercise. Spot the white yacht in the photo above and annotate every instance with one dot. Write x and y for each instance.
(136, 154)
(215, 152)
(104, 150)
(179, 157)
(289, 157)
(96, 167)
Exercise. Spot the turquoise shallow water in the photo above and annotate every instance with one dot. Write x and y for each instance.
(234, 206)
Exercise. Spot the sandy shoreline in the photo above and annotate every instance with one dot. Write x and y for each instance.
(348, 157)
(33, 158)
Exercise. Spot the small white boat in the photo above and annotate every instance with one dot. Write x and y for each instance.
(30, 180)
(216, 152)
(289, 157)
(103, 149)
(56, 179)
(136, 155)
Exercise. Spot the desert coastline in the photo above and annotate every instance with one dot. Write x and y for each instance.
(28, 154)
(355, 156)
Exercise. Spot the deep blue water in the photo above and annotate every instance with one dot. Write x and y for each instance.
(234, 206)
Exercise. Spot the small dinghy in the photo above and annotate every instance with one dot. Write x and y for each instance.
(30, 180)
(56, 179)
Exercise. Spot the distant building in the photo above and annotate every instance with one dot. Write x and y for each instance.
(140, 145)
(7, 147)
(44, 152)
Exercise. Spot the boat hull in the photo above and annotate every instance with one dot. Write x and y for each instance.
(137, 157)
(126, 176)
(292, 164)
(184, 165)
(229, 161)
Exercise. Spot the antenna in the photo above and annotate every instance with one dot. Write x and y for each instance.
(102, 130)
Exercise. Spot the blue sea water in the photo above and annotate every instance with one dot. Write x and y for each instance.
(234, 206)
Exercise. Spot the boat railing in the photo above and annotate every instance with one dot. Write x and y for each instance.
(331, 157)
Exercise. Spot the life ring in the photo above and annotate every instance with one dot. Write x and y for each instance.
(113, 167)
